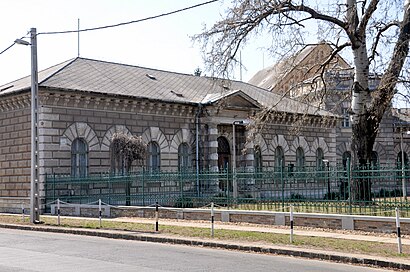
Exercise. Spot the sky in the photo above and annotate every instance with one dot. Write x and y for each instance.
(163, 43)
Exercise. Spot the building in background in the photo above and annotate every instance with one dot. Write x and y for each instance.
(303, 78)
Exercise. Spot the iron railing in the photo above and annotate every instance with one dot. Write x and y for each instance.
(372, 191)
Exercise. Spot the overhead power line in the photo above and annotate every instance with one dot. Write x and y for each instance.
(11, 45)
(119, 24)
(127, 23)
(7, 48)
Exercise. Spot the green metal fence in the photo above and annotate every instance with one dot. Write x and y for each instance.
(329, 190)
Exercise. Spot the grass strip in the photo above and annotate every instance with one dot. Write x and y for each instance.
(306, 242)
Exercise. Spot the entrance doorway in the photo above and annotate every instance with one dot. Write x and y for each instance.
(224, 154)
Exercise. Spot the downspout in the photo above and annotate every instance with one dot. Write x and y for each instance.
(197, 124)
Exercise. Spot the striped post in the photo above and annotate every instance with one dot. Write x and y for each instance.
(212, 219)
(22, 211)
(291, 224)
(399, 247)
(58, 211)
(99, 211)
(156, 216)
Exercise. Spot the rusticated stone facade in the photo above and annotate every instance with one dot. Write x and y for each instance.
(14, 152)
(81, 105)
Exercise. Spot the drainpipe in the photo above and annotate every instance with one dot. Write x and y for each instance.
(197, 124)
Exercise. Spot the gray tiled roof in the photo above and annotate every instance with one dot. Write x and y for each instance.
(93, 76)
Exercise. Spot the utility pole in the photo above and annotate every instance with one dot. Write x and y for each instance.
(34, 190)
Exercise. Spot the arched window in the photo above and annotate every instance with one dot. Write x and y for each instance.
(319, 159)
(300, 158)
(117, 162)
(400, 157)
(279, 159)
(183, 157)
(346, 158)
(375, 160)
(153, 157)
(79, 158)
(258, 158)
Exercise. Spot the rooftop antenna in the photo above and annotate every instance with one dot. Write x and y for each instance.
(78, 37)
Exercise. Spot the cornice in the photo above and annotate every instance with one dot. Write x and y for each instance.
(81, 101)
(13, 103)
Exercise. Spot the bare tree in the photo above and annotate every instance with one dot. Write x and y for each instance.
(375, 33)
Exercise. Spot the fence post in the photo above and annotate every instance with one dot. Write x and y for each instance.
(58, 211)
(181, 189)
(227, 186)
(99, 211)
(349, 184)
(283, 186)
(143, 186)
(212, 219)
(291, 224)
(399, 247)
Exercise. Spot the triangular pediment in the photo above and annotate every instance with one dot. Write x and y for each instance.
(233, 99)
(239, 101)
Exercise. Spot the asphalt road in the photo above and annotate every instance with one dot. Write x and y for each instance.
(37, 251)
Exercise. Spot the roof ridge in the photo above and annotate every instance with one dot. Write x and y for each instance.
(68, 62)
(138, 66)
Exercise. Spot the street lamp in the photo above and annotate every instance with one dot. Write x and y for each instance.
(328, 178)
(403, 178)
(234, 182)
(34, 188)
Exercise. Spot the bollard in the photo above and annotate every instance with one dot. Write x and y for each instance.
(58, 211)
(156, 216)
(212, 219)
(291, 224)
(399, 247)
(99, 211)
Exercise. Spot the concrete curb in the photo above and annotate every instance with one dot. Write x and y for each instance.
(369, 261)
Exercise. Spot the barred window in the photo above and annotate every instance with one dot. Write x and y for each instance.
(183, 156)
(346, 157)
(346, 118)
(319, 159)
(153, 157)
(300, 158)
(79, 158)
(400, 158)
(279, 159)
(258, 158)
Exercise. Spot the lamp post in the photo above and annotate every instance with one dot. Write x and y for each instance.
(34, 188)
(403, 178)
(328, 177)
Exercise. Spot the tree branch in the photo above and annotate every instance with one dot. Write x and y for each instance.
(377, 39)
(386, 89)
(366, 16)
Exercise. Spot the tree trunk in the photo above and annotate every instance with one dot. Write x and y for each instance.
(368, 111)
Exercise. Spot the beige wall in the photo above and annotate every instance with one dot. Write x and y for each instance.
(14, 152)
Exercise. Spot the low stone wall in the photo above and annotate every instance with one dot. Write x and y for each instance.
(331, 221)
(14, 204)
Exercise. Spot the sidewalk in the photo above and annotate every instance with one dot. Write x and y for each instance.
(391, 263)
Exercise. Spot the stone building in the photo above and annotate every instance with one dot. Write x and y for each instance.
(299, 77)
(185, 121)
